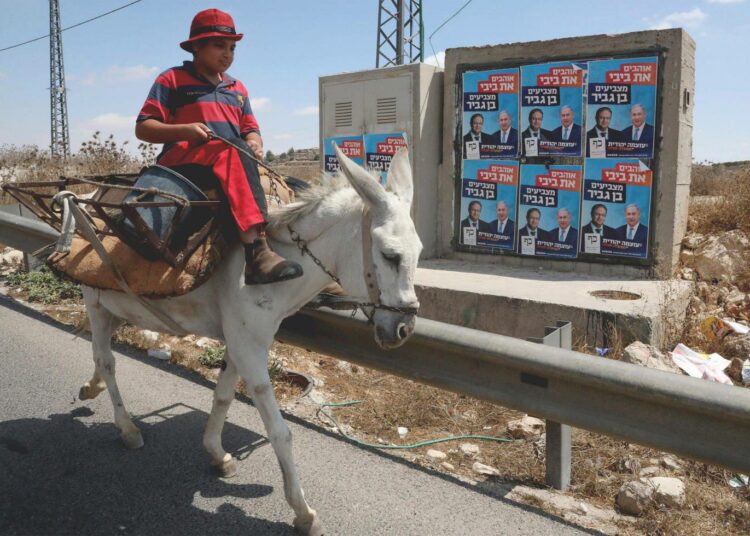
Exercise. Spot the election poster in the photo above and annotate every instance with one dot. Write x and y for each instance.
(351, 146)
(489, 191)
(616, 203)
(549, 202)
(621, 111)
(552, 109)
(379, 151)
(490, 114)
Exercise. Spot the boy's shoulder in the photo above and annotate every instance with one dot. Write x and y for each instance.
(175, 75)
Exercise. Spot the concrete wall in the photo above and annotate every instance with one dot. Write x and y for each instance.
(673, 145)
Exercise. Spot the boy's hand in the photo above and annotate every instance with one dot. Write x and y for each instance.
(257, 149)
(195, 132)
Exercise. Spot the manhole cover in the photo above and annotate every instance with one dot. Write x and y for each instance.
(615, 295)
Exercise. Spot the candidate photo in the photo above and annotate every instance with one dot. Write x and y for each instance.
(473, 221)
(475, 134)
(564, 233)
(639, 130)
(597, 225)
(533, 219)
(535, 130)
(602, 128)
(633, 230)
(507, 135)
(503, 225)
(568, 130)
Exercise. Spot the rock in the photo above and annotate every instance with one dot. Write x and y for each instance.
(448, 466)
(735, 296)
(649, 356)
(436, 454)
(734, 370)
(671, 463)
(688, 274)
(651, 470)
(469, 449)
(693, 240)
(402, 431)
(722, 257)
(484, 469)
(737, 345)
(344, 366)
(633, 497)
(668, 491)
(149, 336)
(11, 258)
(526, 428)
(205, 342)
(160, 353)
(687, 257)
(603, 521)
(630, 464)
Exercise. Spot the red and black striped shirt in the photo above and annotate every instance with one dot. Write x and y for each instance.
(181, 95)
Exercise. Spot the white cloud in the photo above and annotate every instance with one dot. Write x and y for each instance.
(725, 1)
(260, 103)
(687, 19)
(438, 59)
(115, 74)
(307, 110)
(112, 122)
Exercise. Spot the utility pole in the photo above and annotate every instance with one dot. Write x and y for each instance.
(60, 140)
(400, 32)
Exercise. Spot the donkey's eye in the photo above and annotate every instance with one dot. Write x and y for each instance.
(392, 258)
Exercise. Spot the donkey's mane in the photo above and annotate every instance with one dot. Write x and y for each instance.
(307, 200)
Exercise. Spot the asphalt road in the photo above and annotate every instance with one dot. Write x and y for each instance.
(64, 471)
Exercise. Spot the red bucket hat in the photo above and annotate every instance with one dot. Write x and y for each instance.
(210, 23)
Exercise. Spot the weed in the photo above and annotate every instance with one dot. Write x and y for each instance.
(212, 357)
(44, 286)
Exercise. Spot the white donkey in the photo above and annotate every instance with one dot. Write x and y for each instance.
(336, 222)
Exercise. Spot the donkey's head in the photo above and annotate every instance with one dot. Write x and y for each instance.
(391, 247)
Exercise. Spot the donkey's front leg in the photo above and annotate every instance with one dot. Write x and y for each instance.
(221, 460)
(252, 364)
(103, 324)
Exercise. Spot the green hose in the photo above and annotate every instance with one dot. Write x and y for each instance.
(413, 445)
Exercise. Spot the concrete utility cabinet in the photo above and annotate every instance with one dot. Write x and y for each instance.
(406, 98)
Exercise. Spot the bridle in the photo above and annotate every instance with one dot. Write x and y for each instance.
(370, 270)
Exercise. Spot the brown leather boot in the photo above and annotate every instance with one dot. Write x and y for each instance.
(263, 266)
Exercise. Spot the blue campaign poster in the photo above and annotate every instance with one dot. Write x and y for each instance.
(490, 114)
(379, 151)
(552, 109)
(616, 203)
(489, 192)
(351, 146)
(549, 201)
(621, 112)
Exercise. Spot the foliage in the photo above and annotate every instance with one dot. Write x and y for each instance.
(212, 358)
(44, 286)
(270, 157)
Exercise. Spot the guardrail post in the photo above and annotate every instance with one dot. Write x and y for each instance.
(558, 442)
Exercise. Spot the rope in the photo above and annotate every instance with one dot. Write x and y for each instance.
(400, 447)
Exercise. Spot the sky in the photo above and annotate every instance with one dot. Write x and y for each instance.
(111, 63)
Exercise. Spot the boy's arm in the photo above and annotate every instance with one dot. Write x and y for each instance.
(255, 142)
(154, 131)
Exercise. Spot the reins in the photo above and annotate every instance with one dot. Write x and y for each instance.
(371, 280)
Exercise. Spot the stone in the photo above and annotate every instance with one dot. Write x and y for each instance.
(722, 257)
(737, 345)
(526, 428)
(687, 256)
(160, 353)
(671, 463)
(630, 464)
(344, 366)
(633, 497)
(448, 466)
(205, 342)
(11, 258)
(734, 370)
(469, 449)
(149, 336)
(688, 274)
(735, 296)
(693, 240)
(648, 356)
(651, 470)
(483, 469)
(668, 491)
(601, 520)
(436, 454)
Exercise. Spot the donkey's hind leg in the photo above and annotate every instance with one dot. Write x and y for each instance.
(103, 324)
(221, 460)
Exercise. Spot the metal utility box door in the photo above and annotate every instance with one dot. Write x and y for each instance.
(406, 99)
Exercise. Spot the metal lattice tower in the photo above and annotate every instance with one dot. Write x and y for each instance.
(60, 140)
(400, 32)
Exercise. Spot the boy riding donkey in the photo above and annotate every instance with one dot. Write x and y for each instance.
(186, 106)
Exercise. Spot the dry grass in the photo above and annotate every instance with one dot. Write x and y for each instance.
(729, 207)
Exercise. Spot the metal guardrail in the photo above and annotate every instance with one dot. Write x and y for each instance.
(693, 418)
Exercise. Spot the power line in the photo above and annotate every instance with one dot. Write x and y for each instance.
(438, 29)
(71, 27)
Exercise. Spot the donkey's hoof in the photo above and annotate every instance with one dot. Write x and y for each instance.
(132, 440)
(89, 392)
(309, 525)
(226, 468)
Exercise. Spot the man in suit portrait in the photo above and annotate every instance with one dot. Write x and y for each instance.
(476, 122)
(535, 130)
(640, 130)
(533, 217)
(502, 225)
(475, 211)
(633, 230)
(564, 233)
(568, 130)
(596, 225)
(507, 135)
(601, 129)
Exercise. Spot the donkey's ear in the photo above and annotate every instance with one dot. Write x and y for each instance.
(399, 179)
(369, 189)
